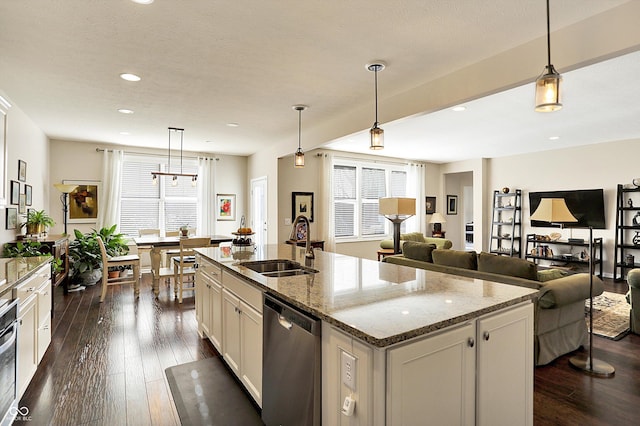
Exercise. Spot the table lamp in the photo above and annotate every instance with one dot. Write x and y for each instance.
(397, 210)
(555, 210)
(65, 189)
(437, 219)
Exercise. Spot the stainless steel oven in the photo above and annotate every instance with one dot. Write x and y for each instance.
(8, 359)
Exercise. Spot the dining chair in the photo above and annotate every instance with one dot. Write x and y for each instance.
(169, 254)
(148, 232)
(132, 260)
(184, 264)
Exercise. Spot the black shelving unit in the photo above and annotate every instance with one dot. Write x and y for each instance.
(538, 249)
(506, 219)
(626, 230)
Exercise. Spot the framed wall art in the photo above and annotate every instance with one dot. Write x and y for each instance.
(22, 206)
(22, 171)
(84, 201)
(225, 207)
(3, 154)
(452, 204)
(28, 193)
(15, 192)
(430, 205)
(302, 204)
(12, 218)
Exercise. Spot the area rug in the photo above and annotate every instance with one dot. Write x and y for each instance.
(206, 393)
(610, 315)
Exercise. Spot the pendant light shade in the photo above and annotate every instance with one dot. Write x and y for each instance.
(376, 133)
(298, 158)
(174, 175)
(548, 84)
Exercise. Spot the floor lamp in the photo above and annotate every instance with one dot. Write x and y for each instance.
(555, 210)
(397, 210)
(65, 189)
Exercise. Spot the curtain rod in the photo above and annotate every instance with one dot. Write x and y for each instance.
(154, 155)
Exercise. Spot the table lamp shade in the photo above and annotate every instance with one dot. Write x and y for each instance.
(397, 206)
(553, 210)
(437, 218)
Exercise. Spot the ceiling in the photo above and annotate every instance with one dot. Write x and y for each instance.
(206, 64)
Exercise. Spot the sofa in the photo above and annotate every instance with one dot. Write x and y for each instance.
(633, 297)
(559, 326)
(440, 243)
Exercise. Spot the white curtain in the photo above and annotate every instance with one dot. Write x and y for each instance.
(415, 189)
(206, 195)
(109, 210)
(326, 202)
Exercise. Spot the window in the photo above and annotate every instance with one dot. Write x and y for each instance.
(144, 205)
(357, 186)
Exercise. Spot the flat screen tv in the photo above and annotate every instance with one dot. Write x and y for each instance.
(587, 205)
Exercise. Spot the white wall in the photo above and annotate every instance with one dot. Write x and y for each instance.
(25, 141)
(80, 161)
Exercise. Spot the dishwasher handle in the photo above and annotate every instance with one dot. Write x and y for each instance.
(284, 323)
(288, 316)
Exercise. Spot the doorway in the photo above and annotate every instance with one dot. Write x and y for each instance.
(259, 209)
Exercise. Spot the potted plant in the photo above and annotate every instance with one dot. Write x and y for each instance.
(184, 230)
(30, 249)
(37, 222)
(85, 255)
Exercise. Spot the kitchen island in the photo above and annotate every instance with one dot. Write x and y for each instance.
(425, 343)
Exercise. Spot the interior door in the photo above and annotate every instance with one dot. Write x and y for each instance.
(259, 209)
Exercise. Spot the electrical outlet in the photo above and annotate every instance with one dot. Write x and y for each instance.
(348, 370)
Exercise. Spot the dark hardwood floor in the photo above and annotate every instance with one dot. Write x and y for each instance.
(106, 362)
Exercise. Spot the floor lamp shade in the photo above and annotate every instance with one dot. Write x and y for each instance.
(397, 210)
(553, 210)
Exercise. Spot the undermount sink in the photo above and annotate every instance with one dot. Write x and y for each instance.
(278, 268)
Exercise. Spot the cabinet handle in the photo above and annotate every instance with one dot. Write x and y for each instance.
(486, 335)
(471, 342)
(31, 289)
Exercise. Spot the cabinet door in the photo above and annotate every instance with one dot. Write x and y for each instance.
(205, 313)
(434, 379)
(251, 350)
(231, 330)
(199, 297)
(44, 318)
(27, 342)
(215, 315)
(505, 368)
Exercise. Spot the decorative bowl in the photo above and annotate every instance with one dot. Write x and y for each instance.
(555, 236)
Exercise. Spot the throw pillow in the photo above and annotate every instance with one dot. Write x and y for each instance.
(551, 274)
(413, 236)
(418, 251)
(504, 265)
(455, 258)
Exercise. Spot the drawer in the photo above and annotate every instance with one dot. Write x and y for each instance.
(212, 271)
(245, 291)
(30, 286)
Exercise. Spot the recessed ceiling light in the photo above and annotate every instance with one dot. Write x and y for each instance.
(129, 77)
(143, 1)
(125, 133)
(233, 124)
(459, 108)
(125, 111)
(208, 141)
(554, 138)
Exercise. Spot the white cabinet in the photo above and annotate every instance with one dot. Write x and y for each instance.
(242, 333)
(479, 373)
(209, 302)
(34, 319)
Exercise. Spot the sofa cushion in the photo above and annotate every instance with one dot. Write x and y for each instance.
(456, 258)
(505, 265)
(418, 251)
(551, 274)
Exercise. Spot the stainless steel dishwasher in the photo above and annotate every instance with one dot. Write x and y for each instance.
(291, 373)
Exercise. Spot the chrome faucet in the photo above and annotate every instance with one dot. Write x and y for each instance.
(308, 251)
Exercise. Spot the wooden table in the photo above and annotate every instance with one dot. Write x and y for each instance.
(382, 253)
(314, 243)
(158, 244)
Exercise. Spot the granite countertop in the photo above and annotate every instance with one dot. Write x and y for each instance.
(378, 302)
(14, 269)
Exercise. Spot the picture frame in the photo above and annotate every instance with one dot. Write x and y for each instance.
(3, 155)
(302, 204)
(430, 205)
(22, 206)
(452, 204)
(226, 206)
(28, 192)
(84, 201)
(11, 218)
(15, 192)
(22, 171)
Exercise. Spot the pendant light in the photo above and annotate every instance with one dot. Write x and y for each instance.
(174, 175)
(377, 134)
(298, 158)
(548, 84)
